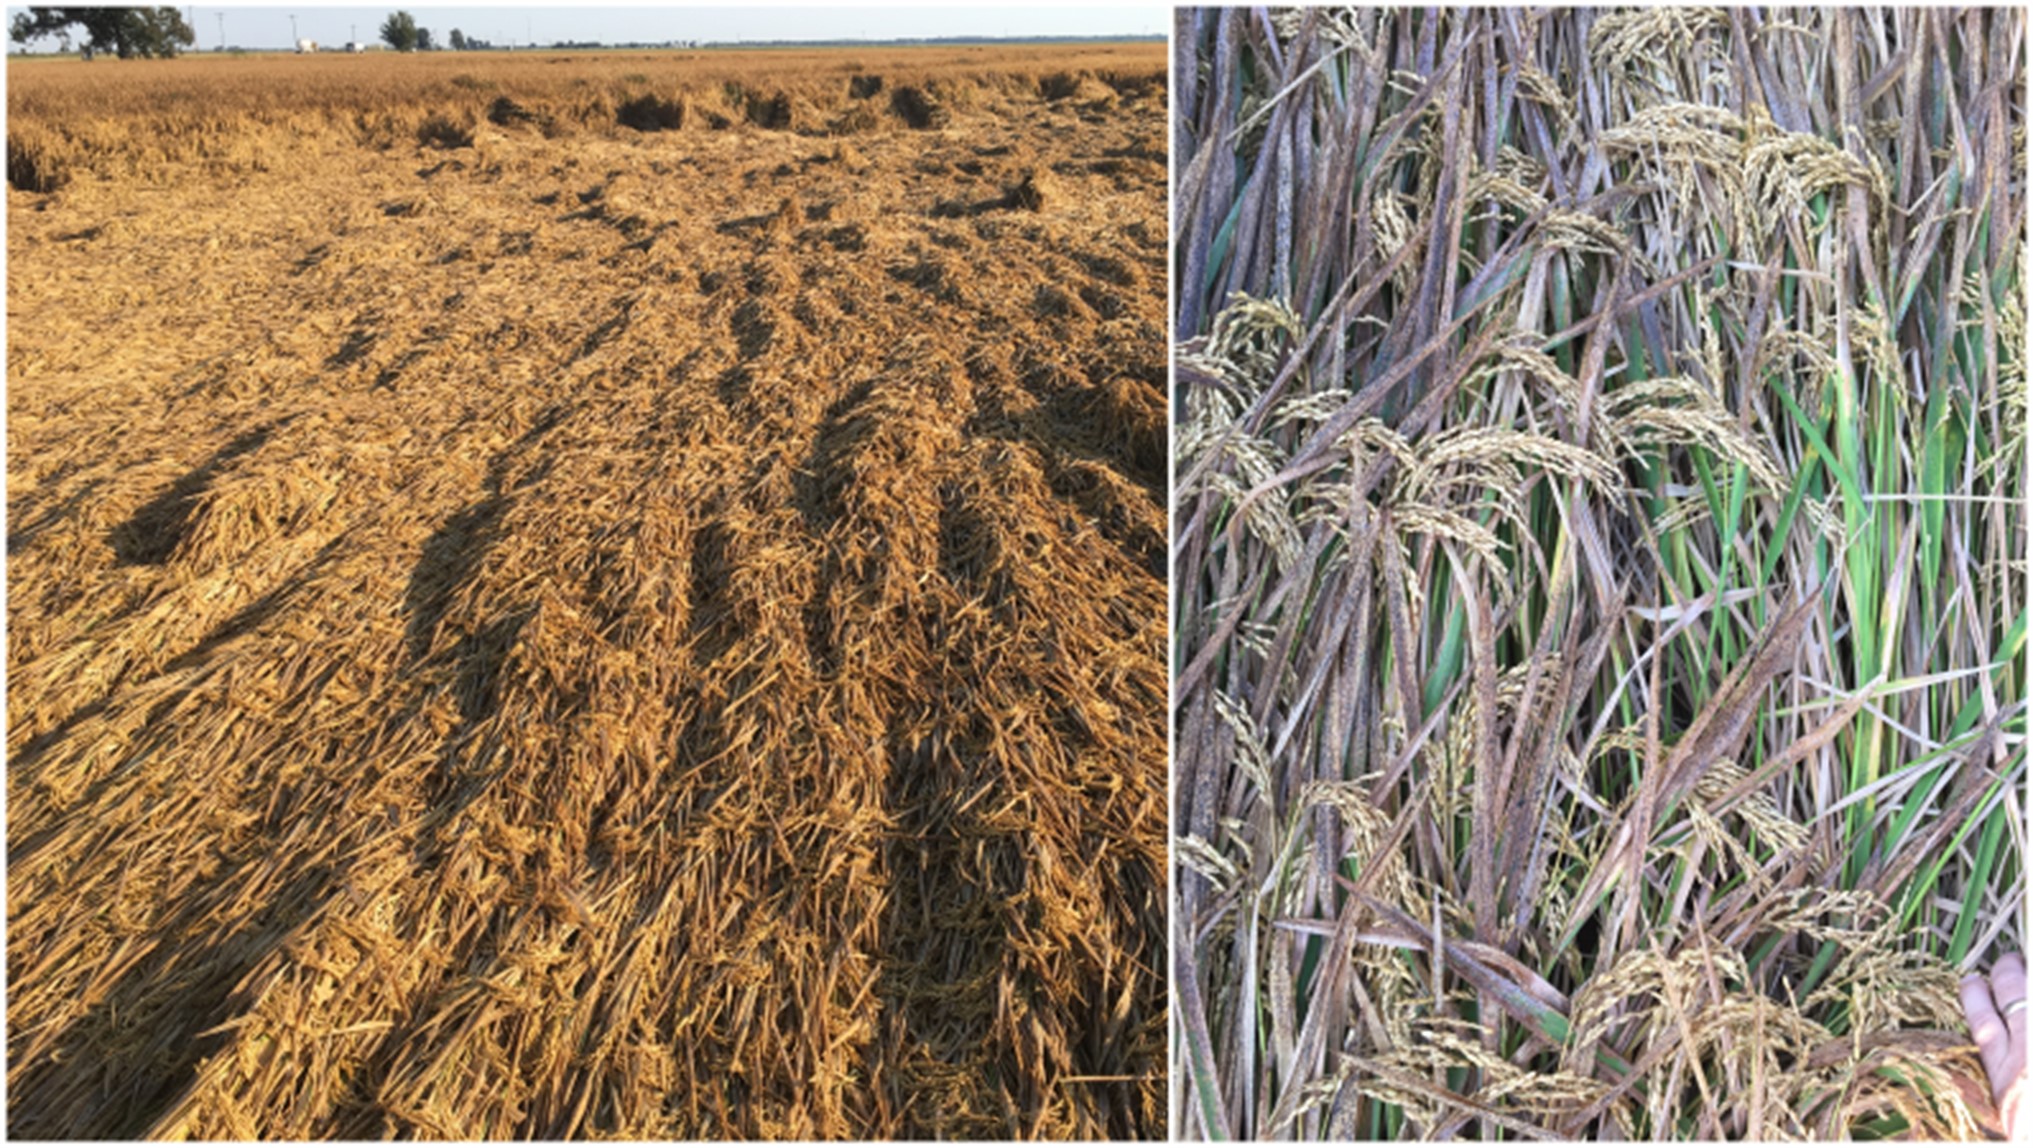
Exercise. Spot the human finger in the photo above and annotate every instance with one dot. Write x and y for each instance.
(1986, 1028)
(2008, 992)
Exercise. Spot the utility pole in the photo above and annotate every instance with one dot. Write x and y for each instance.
(222, 30)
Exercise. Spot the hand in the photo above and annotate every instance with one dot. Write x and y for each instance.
(1997, 1019)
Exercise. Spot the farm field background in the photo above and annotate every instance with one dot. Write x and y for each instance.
(610, 594)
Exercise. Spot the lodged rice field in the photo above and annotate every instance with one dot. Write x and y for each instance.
(587, 595)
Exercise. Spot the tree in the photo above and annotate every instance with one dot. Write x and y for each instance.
(125, 32)
(458, 40)
(423, 41)
(399, 30)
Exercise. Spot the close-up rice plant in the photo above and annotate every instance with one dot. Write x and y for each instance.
(1599, 549)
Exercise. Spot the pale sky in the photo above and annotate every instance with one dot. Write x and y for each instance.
(267, 26)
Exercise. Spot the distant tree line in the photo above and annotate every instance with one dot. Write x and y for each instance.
(401, 32)
(150, 33)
